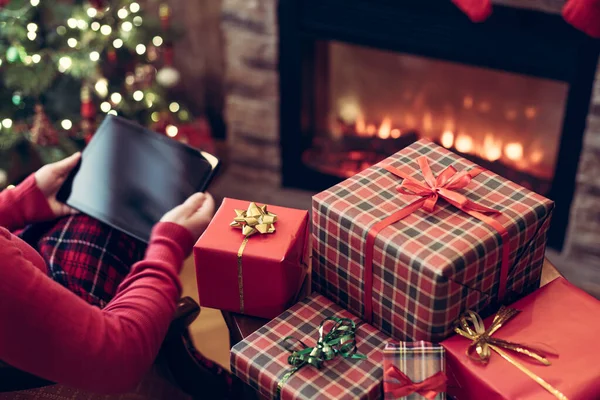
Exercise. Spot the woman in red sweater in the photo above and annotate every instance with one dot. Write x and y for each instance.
(48, 331)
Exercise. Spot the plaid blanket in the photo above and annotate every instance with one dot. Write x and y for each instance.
(84, 255)
(91, 259)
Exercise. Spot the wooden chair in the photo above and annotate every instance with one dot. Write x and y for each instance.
(176, 362)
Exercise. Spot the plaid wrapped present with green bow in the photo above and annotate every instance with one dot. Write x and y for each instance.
(412, 242)
(414, 371)
(286, 358)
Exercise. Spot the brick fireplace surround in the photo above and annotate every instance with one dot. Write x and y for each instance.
(250, 33)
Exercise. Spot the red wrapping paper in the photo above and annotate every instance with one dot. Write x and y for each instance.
(559, 317)
(273, 265)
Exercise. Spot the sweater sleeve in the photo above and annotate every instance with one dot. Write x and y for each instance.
(50, 332)
(23, 205)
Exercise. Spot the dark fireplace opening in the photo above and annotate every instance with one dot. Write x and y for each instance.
(361, 79)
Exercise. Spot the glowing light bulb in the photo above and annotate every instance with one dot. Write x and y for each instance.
(72, 42)
(157, 41)
(118, 43)
(122, 13)
(32, 27)
(95, 25)
(151, 97)
(105, 107)
(126, 26)
(31, 35)
(36, 58)
(112, 112)
(172, 130)
(130, 79)
(116, 98)
(105, 30)
(61, 30)
(94, 56)
(81, 24)
(134, 7)
(92, 12)
(140, 49)
(35, 3)
(28, 60)
(64, 63)
(66, 124)
(72, 22)
(7, 123)
(174, 107)
(101, 87)
(138, 95)
(155, 116)
(137, 21)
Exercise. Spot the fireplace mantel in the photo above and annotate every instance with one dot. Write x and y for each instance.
(250, 31)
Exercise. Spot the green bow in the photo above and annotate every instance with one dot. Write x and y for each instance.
(339, 341)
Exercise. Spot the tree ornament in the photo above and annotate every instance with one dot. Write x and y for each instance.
(98, 4)
(87, 105)
(12, 54)
(111, 54)
(42, 131)
(3, 178)
(168, 77)
(164, 13)
(4, 3)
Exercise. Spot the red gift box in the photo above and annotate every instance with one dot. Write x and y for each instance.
(264, 279)
(384, 251)
(262, 360)
(558, 317)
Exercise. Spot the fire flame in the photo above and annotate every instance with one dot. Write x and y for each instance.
(488, 147)
(385, 128)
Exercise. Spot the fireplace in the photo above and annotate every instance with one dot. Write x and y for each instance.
(360, 80)
(276, 51)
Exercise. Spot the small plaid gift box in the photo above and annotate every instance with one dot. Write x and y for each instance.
(415, 240)
(262, 360)
(414, 371)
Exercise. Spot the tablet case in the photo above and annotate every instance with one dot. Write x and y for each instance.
(129, 176)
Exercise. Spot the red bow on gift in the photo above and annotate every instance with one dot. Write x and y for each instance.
(429, 388)
(444, 186)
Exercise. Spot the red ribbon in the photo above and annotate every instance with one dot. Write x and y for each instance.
(429, 191)
(429, 388)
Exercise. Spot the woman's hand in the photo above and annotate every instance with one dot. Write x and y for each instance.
(50, 178)
(194, 214)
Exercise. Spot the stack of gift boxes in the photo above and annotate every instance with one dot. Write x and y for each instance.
(425, 271)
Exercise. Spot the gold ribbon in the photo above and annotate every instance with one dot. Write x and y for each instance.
(471, 327)
(256, 219)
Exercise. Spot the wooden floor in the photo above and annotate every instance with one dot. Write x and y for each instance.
(208, 331)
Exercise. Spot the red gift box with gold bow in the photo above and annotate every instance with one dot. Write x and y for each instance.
(411, 242)
(542, 347)
(252, 258)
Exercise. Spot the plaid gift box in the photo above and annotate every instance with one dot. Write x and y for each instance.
(421, 362)
(262, 362)
(430, 266)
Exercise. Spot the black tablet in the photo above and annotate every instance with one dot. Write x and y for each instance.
(129, 176)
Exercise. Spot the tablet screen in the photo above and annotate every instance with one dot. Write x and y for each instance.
(129, 177)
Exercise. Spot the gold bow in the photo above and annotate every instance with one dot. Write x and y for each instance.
(254, 219)
(471, 327)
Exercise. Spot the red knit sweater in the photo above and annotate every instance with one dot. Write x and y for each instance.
(50, 332)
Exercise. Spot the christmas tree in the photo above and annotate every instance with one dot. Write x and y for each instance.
(65, 64)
